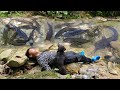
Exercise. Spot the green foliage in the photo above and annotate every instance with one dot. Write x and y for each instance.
(76, 14)
(105, 13)
(3, 13)
(61, 14)
(11, 13)
(58, 14)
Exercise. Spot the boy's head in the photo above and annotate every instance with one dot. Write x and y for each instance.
(32, 52)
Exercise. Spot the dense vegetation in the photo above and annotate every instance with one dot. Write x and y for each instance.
(61, 14)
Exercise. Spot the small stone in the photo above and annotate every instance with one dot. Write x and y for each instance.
(85, 77)
(1, 69)
(82, 71)
(73, 76)
(101, 19)
(78, 77)
(73, 68)
(2, 62)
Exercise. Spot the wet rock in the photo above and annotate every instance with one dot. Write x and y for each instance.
(111, 69)
(18, 59)
(116, 46)
(78, 77)
(82, 71)
(85, 77)
(2, 69)
(84, 27)
(73, 68)
(73, 76)
(94, 70)
(101, 19)
(6, 20)
(6, 54)
(2, 62)
(112, 59)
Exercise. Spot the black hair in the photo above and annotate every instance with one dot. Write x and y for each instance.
(28, 54)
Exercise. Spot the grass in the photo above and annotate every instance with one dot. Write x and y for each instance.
(38, 75)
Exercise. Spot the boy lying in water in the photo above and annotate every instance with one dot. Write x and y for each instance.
(47, 59)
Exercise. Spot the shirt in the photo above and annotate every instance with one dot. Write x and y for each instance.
(45, 59)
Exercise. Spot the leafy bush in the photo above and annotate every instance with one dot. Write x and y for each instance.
(3, 13)
(76, 14)
(58, 14)
(105, 13)
(61, 14)
(11, 13)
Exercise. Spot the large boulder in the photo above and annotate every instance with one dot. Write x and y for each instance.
(116, 46)
(18, 59)
(6, 54)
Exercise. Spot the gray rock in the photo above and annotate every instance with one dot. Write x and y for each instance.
(2, 69)
(85, 77)
(82, 71)
(19, 58)
(6, 54)
(116, 46)
(111, 69)
(78, 76)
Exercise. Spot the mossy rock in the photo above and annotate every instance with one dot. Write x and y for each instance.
(18, 59)
(73, 68)
(116, 45)
(6, 54)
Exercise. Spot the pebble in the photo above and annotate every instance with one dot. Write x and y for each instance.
(85, 77)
